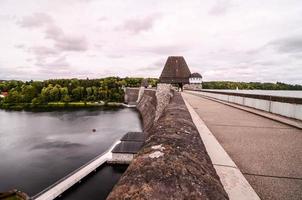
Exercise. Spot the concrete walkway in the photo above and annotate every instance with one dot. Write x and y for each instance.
(268, 153)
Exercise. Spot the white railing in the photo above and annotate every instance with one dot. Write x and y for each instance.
(287, 109)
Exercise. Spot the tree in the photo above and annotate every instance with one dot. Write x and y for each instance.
(28, 92)
(13, 97)
(77, 93)
(55, 93)
(64, 94)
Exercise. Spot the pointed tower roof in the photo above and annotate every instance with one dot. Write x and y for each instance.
(176, 70)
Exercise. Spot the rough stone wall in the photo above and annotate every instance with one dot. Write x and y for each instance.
(173, 163)
(140, 93)
(147, 108)
(163, 96)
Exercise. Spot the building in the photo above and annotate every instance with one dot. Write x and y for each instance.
(177, 72)
(195, 78)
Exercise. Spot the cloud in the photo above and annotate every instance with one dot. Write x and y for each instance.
(62, 41)
(138, 25)
(105, 39)
(35, 20)
(65, 42)
(221, 7)
(53, 32)
(19, 46)
(44, 51)
(71, 43)
(57, 63)
(291, 44)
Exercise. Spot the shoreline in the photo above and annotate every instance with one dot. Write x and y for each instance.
(53, 106)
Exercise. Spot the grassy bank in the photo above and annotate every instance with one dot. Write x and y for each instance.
(57, 106)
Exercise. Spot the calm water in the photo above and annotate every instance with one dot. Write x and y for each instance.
(37, 149)
(281, 93)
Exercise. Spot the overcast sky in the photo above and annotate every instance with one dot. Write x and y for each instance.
(234, 40)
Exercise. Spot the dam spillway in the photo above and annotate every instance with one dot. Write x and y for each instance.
(121, 152)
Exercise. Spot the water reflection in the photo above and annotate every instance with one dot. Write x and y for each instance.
(36, 149)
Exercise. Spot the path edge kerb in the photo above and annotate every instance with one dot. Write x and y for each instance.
(233, 181)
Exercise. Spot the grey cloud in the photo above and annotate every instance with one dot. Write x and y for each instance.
(220, 7)
(160, 63)
(288, 45)
(138, 25)
(71, 43)
(61, 40)
(65, 42)
(157, 65)
(20, 46)
(35, 20)
(44, 51)
(58, 63)
(53, 32)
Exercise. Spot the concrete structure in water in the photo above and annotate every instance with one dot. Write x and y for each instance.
(124, 152)
(121, 152)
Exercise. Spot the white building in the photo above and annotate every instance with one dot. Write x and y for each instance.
(195, 78)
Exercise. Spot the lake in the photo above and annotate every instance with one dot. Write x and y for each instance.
(39, 148)
(280, 93)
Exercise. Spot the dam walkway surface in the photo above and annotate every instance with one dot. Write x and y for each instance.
(268, 153)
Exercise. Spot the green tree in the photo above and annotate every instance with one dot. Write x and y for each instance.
(13, 97)
(77, 93)
(28, 92)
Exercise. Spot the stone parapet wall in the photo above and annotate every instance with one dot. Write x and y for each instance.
(147, 108)
(173, 163)
(163, 96)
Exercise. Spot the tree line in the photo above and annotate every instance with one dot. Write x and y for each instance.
(249, 85)
(108, 89)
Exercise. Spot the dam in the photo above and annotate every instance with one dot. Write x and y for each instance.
(198, 144)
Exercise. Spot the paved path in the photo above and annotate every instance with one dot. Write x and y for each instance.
(268, 153)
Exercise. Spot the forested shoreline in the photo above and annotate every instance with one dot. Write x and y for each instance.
(78, 93)
(66, 93)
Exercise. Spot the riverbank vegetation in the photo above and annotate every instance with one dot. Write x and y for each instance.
(249, 85)
(82, 93)
(66, 93)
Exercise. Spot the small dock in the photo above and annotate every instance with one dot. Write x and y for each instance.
(121, 152)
